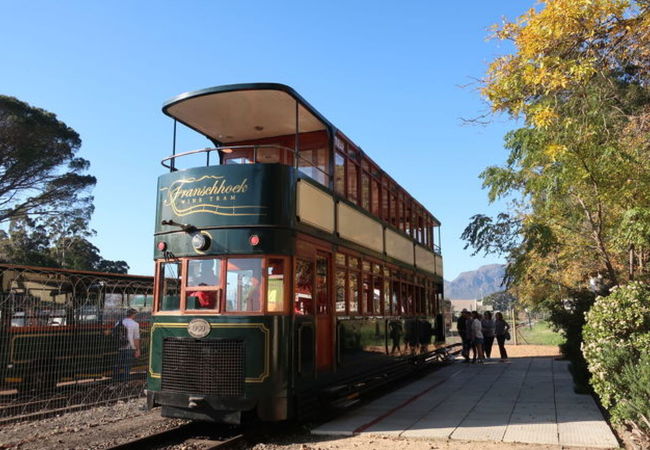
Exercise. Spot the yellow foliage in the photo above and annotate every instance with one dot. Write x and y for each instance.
(555, 152)
(543, 117)
(560, 45)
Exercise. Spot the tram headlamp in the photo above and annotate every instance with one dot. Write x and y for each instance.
(162, 246)
(200, 241)
(254, 240)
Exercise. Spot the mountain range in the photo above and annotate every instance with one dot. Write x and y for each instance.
(476, 284)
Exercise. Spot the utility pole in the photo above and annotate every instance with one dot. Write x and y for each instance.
(514, 325)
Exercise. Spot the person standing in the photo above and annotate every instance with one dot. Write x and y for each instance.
(395, 336)
(127, 333)
(464, 333)
(488, 333)
(477, 334)
(501, 330)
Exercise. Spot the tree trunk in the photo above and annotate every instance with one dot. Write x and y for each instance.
(596, 234)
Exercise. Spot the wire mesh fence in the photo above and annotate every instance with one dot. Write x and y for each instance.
(58, 344)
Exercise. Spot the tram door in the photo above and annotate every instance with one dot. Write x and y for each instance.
(303, 308)
(324, 323)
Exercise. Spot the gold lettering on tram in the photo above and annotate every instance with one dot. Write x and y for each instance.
(202, 195)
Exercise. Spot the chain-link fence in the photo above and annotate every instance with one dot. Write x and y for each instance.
(58, 345)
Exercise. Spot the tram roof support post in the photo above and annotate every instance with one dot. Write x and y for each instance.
(172, 167)
(296, 143)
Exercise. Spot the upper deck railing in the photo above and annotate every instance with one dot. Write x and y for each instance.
(261, 154)
(252, 154)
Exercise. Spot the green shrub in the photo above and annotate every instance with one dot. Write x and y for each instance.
(569, 317)
(636, 405)
(616, 346)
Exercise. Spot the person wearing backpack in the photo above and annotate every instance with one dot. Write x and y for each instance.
(126, 334)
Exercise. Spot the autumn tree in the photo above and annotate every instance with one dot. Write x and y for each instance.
(578, 168)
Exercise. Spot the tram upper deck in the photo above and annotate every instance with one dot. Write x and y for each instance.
(277, 165)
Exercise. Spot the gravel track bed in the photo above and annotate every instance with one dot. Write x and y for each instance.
(96, 428)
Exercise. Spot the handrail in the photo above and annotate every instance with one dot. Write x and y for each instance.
(255, 147)
(224, 147)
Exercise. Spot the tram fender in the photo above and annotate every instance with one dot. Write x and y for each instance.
(227, 417)
(207, 402)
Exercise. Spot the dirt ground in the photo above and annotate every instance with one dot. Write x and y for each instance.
(520, 351)
(108, 426)
(307, 442)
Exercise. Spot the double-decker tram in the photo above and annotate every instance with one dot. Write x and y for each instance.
(291, 270)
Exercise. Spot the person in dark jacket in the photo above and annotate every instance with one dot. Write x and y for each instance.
(464, 333)
(501, 330)
(488, 333)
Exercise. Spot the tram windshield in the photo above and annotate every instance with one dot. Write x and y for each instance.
(243, 284)
(240, 285)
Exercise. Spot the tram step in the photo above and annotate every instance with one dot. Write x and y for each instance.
(333, 391)
(345, 403)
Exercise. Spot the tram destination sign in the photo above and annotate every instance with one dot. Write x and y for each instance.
(233, 195)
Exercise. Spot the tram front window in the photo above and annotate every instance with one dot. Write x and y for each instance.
(243, 292)
(203, 272)
(203, 281)
(170, 286)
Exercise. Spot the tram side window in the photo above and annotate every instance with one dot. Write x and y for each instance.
(340, 291)
(394, 220)
(375, 197)
(366, 294)
(322, 285)
(396, 305)
(352, 182)
(365, 190)
(275, 285)
(385, 196)
(353, 292)
(170, 287)
(339, 173)
(387, 308)
(313, 163)
(303, 302)
(243, 284)
(378, 285)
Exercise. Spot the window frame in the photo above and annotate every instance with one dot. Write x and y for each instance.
(220, 303)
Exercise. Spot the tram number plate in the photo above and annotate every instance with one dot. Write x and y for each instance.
(198, 328)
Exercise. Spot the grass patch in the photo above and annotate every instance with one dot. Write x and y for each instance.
(540, 334)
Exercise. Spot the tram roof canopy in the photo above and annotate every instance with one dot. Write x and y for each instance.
(243, 112)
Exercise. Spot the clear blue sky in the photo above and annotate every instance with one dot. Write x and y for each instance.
(388, 74)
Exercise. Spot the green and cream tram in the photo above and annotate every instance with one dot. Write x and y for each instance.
(289, 266)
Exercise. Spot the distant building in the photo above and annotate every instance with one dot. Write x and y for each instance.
(458, 305)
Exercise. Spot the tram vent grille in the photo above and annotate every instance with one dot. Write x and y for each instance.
(210, 367)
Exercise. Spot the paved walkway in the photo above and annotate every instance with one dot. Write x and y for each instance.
(526, 400)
